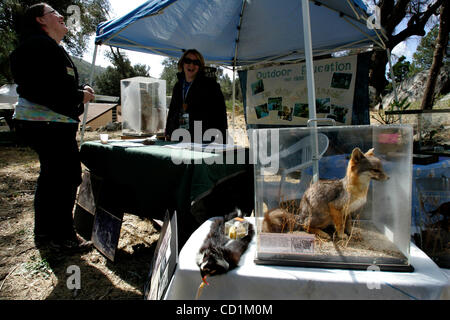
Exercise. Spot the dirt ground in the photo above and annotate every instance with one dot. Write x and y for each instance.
(27, 272)
(31, 273)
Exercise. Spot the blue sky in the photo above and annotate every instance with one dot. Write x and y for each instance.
(119, 8)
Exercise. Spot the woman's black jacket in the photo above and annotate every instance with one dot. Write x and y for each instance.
(205, 103)
(46, 75)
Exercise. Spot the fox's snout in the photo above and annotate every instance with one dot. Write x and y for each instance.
(379, 175)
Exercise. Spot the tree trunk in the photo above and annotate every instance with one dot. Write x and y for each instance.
(439, 51)
(377, 77)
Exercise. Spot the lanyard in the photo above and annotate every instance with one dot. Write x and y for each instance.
(186, 87)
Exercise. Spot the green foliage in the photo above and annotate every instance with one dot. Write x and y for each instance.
(84, 70)
(92, 12)
(8, 38)
(400, 70)
(169, 74)
(108, 83)
(395, 105)
(399, 105)
(238, 107)
(38, 265)
(226, 85)
(423, 57)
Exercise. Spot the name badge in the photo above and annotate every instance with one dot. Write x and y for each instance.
(70, 71)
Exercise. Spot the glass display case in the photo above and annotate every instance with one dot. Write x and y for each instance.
(431, 131)
(434, 237)
(143, 106)
(334, 197)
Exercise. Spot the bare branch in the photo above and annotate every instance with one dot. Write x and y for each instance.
(416, 24)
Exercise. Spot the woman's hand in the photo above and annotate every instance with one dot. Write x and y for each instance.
(89, 89)
(88, 96)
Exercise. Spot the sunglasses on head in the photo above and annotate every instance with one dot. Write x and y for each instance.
(189, 61)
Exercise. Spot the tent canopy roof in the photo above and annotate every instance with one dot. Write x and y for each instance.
(238, 32)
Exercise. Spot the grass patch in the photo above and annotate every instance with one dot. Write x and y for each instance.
(38, 266)
(239, 110)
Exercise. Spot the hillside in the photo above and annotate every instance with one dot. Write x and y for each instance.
(414, 87)
(84, 69)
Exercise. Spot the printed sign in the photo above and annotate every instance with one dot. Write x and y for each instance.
(106, 232)
(278, 95)
(286, 243)
(164, 260)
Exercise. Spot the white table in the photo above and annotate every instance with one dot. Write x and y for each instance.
(446, 294)
(250, 281)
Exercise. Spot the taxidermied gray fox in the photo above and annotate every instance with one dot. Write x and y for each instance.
(331, 202)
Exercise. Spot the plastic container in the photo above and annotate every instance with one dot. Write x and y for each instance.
(285, 163)
(144, 109)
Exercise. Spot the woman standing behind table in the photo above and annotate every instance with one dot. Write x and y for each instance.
(46, 118)
(196, 97)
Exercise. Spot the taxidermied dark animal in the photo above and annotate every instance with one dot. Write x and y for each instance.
(444, 210)
(331, 202)
(219, 254)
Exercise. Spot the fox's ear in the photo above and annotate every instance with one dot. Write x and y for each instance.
(357, 155)
(370, 153)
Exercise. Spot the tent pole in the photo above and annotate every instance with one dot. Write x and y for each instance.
(311, 87)
(234, 61)
(391, 71)
(86, 106)
(234, 95)
(394, 86)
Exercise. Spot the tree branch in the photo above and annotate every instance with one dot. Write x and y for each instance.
(416, 24)
(399, 12)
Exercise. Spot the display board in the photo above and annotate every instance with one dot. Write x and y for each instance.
(278, 95)
(165, 259)
(106, 232)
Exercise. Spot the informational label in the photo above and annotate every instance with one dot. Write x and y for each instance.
(286, 243)
(279, 94)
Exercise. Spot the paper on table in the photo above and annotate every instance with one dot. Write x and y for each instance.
(132, 142)
(205, 147)
(127, 143)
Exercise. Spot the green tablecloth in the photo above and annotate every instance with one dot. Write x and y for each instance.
(146, 180)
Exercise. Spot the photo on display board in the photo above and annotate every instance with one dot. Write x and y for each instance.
(323, 105)
(275, 103)
(339, 113)
(261, 111)
(341, 80)
(106, 232)
(285, 114)
(301, 110)
(88, 191)
(257, 87)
